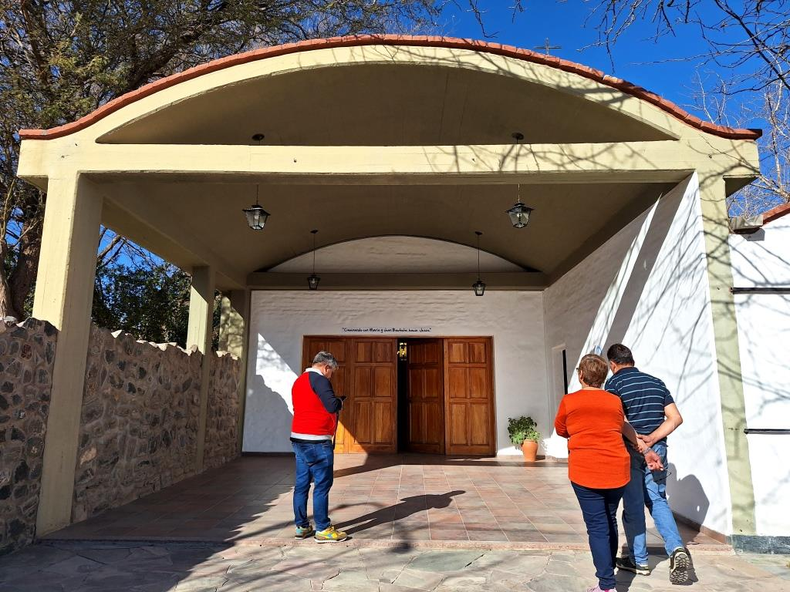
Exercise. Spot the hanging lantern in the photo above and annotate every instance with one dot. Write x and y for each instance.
(479, 286)
(519, 215)
(256, 216)
(313, 279)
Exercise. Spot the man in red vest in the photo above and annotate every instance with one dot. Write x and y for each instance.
(315, 422)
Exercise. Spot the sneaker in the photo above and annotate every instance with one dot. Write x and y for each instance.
(330, 535)
(679, 564)
(597, 588)
(628, 564)
(302, 532)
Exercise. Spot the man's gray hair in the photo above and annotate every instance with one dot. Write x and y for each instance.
(325, 358)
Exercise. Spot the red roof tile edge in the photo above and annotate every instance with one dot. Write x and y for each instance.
(419, 41)
(776, 213)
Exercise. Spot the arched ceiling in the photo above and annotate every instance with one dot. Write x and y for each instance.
(398, 104)
(396, 254)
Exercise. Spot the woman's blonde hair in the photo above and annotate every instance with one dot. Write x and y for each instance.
(593, 370)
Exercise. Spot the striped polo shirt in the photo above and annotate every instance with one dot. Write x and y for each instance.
(644, 398)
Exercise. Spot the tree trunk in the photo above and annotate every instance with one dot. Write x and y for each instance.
(6, 303)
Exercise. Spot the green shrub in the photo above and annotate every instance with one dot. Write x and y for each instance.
(522, 428)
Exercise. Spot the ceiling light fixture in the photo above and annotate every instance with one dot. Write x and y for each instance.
(312, 281)
(256, 215)
(519, 213)
(479, 286)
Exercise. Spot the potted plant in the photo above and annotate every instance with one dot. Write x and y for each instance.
(523, 434)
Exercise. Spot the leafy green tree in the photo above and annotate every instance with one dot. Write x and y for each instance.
(60, 59)
(149, 302)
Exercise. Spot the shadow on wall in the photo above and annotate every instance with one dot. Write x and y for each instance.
(620, 287)
(658, 303)
(689, 494)
(269, 409)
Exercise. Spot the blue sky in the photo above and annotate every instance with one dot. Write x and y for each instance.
(663, 67)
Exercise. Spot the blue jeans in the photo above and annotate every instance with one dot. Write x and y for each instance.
(648, 488)
(314, 463)
(599, 508)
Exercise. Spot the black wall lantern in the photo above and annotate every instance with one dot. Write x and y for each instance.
(479, 286)
(256, 215)
(519, 213)
(312, 281)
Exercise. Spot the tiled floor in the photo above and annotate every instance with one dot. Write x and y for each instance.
(398, 497)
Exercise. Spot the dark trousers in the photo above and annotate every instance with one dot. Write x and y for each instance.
(599, 508)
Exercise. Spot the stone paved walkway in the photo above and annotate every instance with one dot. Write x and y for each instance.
(72, 566)
(393, 497)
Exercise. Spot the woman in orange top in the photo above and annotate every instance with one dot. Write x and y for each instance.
(598, 463)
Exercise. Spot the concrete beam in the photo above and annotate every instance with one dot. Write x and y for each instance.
(199, 333)
(64, 294)
(607, 162)
(399, 281)
(163, 232)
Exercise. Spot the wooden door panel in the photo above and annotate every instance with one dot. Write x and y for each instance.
(469, 396)
(416, 423)
(478, 383)
(383, 380)
(477, 353)
(458, 425)
(383, 352)
(374, 395)
(457, 352)
(384, 421)
(457, 377)
(426, 396)
(480, 422)
(432, 379)
(362, 384)
(434, 425)
(362, 430)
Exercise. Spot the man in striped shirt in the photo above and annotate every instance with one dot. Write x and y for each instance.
(652, 412)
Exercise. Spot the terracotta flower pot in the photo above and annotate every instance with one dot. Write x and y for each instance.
(530, 450)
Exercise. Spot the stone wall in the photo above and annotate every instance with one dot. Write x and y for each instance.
(139, 422)
(222, 421)
(27, 353)
(140, 418)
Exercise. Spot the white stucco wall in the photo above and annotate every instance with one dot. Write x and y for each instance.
(279, 320)
(763, 260)
(647, 287)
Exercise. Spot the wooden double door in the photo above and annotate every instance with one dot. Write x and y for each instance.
(449, 392)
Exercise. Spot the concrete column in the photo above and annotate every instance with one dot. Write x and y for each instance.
(199, 332)
(233, 338)
(64, 294)
(725, 329)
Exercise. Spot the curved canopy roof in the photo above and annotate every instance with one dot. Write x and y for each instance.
(494, 99)
(382, 135)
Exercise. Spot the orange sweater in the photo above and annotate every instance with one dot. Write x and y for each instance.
(593, 420)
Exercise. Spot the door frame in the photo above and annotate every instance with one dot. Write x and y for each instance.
(491, 374)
